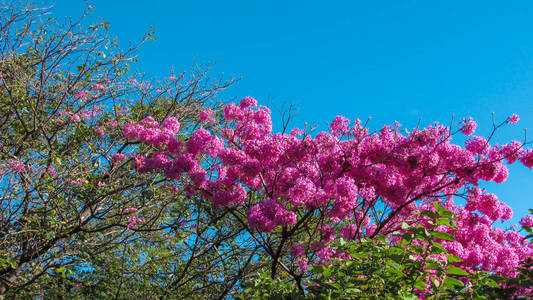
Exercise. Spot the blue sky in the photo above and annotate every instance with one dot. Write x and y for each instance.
(391, 60)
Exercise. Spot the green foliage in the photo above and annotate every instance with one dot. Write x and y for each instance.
(405, 269)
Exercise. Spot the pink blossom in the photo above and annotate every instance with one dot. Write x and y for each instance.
(133, 220)
(527, 221)
(335, 178)
(18, 166)
(78, 182)
(75, 118)
(302, 264)
(247, 102)
(513, 119)
(340, 126)
(199, 141)
(526, 157)
(469, 126)
(131, 130)
(171, 125)
(117, 157)
(267, 215)
(206, 115)
(99, 87)
(297, 250)
(477, 145)
(130, 210)
(51, 171)
(81, 95)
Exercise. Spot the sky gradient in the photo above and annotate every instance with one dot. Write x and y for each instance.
(391, 60)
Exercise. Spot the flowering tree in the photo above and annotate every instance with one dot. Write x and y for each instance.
(112, 185)
(295, 194)
(75, 217)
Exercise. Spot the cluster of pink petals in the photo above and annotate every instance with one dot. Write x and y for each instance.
(133, 220)
(469, 126)
(78, 182)
(513, 119)
(130, 210)
(17, 166)
(527, 221)
(482, 246)
(76, 117)
(206, 115)
(342, 173)
(117, 157)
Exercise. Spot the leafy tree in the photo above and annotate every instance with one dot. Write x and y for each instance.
(75, 218)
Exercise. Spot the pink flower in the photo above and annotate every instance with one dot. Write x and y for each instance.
(118, 157)
(281, 178)
(130, 210)
(298, 250)
(132, 130)
(134, 220)
(527, 221)
(18, 166)
(171, 125)
(526, 157)
(75, 118)
(477, 145)
(248, 102)
(78, 182)
(99, 87)
(51, 171)
(340, 126)
(302, 264)
(206, 115)
(513, 119)
(469, 126)
(81, 95)
(100, 132)
(199, 140)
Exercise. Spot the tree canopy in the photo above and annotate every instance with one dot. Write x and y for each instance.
(113, 185)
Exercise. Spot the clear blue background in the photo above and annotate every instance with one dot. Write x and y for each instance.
(392, 60)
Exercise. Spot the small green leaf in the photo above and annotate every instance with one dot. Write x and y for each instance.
(443, 236)
(453, 270)
(453, 258)
(12, 263)
(432, 267)
(452, 283)
(428, 213)
(421, 285)
(491, 283)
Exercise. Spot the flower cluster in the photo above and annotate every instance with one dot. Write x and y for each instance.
(339, 175)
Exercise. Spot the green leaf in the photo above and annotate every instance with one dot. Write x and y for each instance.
(421, 285)
(491, 283)
(432, 267)
(453, 258)
(452, 283)
(428, 213)
(453, 270)
(12, 263)
(417, 249)
(443, 236)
